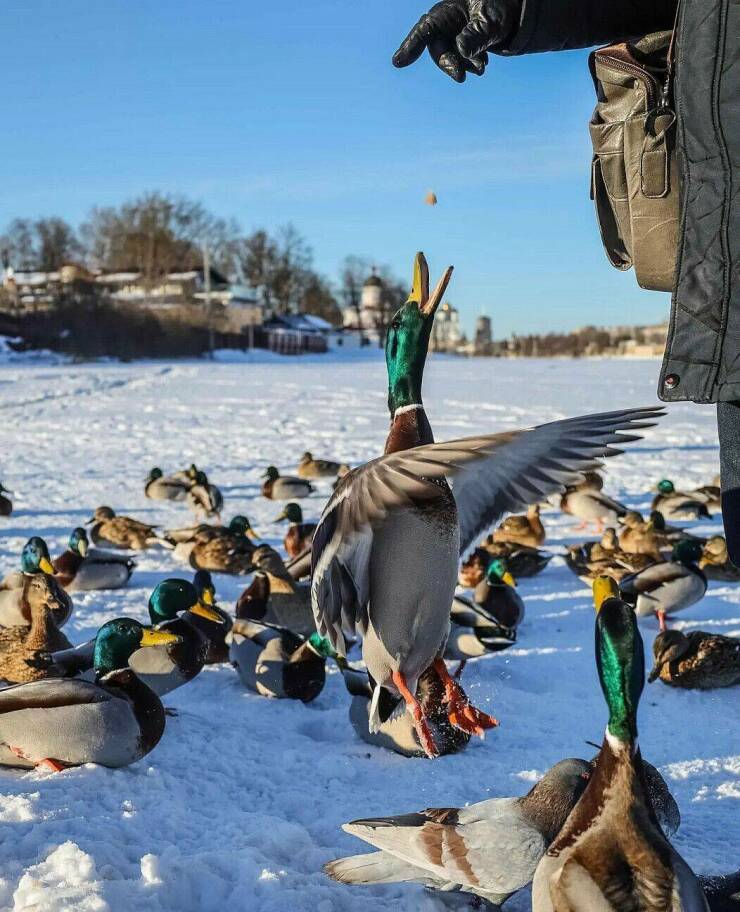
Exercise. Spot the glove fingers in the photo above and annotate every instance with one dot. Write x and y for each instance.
(447, 59)
(412, 47)
(477, 65)
(475, 37)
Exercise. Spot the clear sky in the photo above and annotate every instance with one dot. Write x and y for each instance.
(274, 112)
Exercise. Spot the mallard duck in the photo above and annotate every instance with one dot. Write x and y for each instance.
(171, 605)
(474, 631)
(14, 610)
(611, 854)
(489, 849)
(223, 549)
(521, 530)
(591, 481)
(204, 498)
(299, 568)
(697, 660)
(522, 562)
(299, 535)
(59, 722)
(604, 558)
(113, 531)
(215, 632)
(275, 662)
(158, 486)
(667, 587)
(637, 536)
(274, 597)
(21, 646)
(284, 487)
(396, 730)
(386, 550)
(591, 506)
(6, 505)
(186, 476)
(675, 504)
(81, 568)
(497, 596)
(309, 467)
(715, 561)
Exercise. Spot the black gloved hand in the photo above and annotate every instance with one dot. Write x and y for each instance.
(457, 34)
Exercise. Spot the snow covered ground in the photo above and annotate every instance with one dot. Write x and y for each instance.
(242, 801)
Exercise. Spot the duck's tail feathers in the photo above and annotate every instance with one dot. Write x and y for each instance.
(370, 868)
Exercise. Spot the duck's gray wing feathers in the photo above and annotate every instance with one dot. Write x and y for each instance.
(50, 693)
(526, 467)
(646, 581)
(76, 660)
(492, 474)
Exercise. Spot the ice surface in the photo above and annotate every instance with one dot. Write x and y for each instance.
(242, 801)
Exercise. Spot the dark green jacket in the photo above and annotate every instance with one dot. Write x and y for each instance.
(702, 361)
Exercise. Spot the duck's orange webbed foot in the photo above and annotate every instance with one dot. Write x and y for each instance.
(420, 723)
(460, 711)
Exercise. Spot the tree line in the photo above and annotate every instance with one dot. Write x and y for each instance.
(157, 233)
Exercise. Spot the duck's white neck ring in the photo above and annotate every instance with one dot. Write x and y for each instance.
(617, 744)
(401, 410)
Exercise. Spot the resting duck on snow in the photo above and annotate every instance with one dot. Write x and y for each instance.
(667, 587)
(60, 722)
(14, 609)
(215, 632)
(112, 531)
(82, 568)
(220, 549)
(604, 558)
(697, 660)
(23, 649)
(309, 467)
(522, 562)
(159, 486)
(274, 597)
(204, 498)
(715, 561)
(611, 854)
(171, 663)
(284, 487)
(299, 535)
(521, 530)
(675, 504)
(386, 550)
(498, 597)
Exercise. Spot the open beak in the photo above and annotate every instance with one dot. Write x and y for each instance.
(428, 304)
(205, 612)
(46, 566)
(151, 637)
(509, 579)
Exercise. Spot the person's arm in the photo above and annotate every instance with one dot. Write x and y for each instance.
(459, 33)
(559, 25)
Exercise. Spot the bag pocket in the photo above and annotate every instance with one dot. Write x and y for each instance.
(610, 192)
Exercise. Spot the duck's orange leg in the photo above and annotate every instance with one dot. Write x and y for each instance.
(461, 713)
(661, 620)
(420, 723)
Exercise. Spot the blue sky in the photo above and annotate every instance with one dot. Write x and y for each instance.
(292, 112)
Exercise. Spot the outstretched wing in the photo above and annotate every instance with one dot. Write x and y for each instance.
(491, 475)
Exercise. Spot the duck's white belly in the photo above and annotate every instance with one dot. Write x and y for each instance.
(100, 575)
(590, 508)
(413, 574)
(285, 489)
(671, 597)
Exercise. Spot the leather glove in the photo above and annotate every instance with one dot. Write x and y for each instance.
(457, 34)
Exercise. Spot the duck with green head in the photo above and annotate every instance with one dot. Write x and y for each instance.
(14, 609)
(83, 568)
(113, 721)
(284, 487)
(172, 606)
(497, 596)
(667, 587)
(158, 486)
(386, 550)
(611, 853)
(300, 534)
(674, 504)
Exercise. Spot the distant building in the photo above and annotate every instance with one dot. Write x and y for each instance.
(35, 290)
(370, 317)
(447, 335)
(483, 339)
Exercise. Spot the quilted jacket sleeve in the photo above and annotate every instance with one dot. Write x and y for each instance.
(560, 25)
